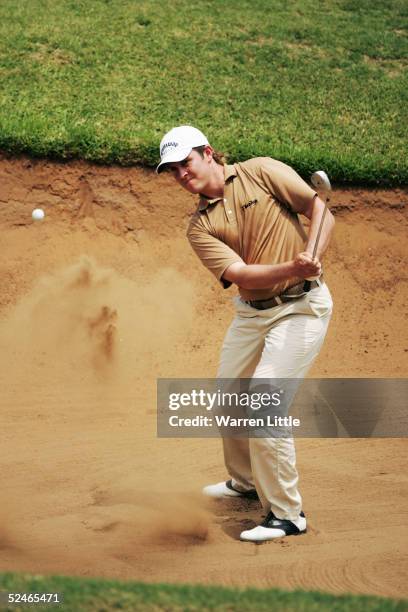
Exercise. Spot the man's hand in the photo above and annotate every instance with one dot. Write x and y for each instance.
(305, 266)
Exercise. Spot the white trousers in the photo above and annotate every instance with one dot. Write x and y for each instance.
(281, 342)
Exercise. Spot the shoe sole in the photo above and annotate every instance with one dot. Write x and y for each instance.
(272, 539)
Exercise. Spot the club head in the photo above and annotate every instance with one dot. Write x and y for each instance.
(320, 181)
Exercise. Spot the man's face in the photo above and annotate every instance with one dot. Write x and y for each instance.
(193, 172)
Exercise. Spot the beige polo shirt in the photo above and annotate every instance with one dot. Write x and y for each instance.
(255, 222)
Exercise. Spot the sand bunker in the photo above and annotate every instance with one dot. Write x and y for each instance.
(104, 297)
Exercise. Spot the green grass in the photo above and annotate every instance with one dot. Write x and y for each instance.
(107, 595)
(317, 84)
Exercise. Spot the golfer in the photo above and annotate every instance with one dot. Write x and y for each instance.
(246, 231)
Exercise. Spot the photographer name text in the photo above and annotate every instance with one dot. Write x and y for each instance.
(228, 421)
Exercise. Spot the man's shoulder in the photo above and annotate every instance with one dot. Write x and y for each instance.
(196, 222)
(259, 163)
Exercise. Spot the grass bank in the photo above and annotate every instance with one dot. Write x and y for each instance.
(318, 85)
(105, 595)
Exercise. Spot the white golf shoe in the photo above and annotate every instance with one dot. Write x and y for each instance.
(222, 490)
(273, 527)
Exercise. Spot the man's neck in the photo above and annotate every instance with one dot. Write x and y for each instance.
(215, 186)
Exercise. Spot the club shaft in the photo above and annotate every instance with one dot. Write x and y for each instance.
(316, 244)
(307, 285)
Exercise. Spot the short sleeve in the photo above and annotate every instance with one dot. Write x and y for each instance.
(285, 184)
(214, 254)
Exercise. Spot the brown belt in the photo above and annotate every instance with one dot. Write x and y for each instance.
(290, 294)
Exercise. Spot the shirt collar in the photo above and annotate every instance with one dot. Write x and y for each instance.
(204, 202)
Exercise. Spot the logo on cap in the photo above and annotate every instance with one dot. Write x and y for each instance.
(166, 145)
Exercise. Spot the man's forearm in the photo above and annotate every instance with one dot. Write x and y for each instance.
(264, 276)
(259, 276)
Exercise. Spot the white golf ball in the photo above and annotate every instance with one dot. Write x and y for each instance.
(38, 214)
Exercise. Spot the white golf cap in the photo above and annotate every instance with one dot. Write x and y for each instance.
(176, 145)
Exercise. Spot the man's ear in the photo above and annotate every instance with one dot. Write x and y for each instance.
(208, 152)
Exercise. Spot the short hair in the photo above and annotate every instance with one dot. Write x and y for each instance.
(219, 158)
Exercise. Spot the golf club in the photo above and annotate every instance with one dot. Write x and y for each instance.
(321, 183)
